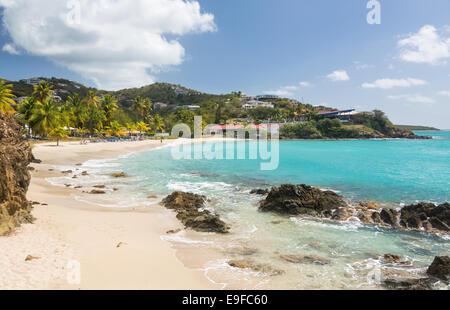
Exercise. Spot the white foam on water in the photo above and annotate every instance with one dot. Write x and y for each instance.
(347, 226)
(180, 237)
(197, 187)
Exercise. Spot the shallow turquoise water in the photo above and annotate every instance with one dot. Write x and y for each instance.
(392, 171)
(398, 171)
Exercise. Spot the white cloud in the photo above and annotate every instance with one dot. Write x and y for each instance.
(116, 44)
(305, 84)
(426, 46)
(391, 83)
(444, 93)
(338, 76)
(412, 98)
(10, 48)
(286, 91)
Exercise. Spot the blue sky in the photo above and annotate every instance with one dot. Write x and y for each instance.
(262, 46)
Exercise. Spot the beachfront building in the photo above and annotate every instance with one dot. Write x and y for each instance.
(240, 130)
(343, 115)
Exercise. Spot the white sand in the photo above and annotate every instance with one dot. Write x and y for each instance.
(68, 232)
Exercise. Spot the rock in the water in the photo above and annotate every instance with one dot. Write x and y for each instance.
(394, 259)
(251, 265)
(97, 192)
(118, 175)
(190, 211)
(261, 192)
(99, 186)
(84, 173)
(15, 156)
(307, 259)
(389, 217)
(440, 268)
(302, 200)
(427, 216)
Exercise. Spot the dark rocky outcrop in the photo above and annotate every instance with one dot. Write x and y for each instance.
(261, 192)
(302, 200)
(294, 200)
(427, 216)
(190, 211)
(440, 268)
(15, 156)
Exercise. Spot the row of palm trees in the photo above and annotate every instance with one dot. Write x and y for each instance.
(93, 115)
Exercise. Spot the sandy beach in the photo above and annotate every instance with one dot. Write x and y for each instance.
(77, 245)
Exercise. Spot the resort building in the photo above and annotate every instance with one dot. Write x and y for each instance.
(267, 97)
(32, 81)
(252, 104)
(191, 107)
(343, 115)
(160, 105)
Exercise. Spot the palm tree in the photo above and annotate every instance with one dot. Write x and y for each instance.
(58, 133)
(45, 117)
(78, 108)
(115, 129)
(138, 107)
(42, 91)
(93, 99)
(142, 127)
(158, 123)
(6, 96)
(148, 108)
(109, 105)
(25, 109)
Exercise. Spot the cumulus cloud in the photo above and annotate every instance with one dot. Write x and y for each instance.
(115, 43)
(10, 48)
(425, 46)
(305, 84)
(391, 83)
(338, 76)
(286, 91)
(414, 98)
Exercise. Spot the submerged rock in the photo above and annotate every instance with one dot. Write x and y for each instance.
(307, 259)
(394, 259)
(190, 211)
(244, 251)
(440, 268)
(251, 265)
(15, 156)
(302, 200)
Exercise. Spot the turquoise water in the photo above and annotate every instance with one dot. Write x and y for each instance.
(397, 171)
(389, 171)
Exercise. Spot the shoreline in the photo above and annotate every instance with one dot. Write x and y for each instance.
(116, 249)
